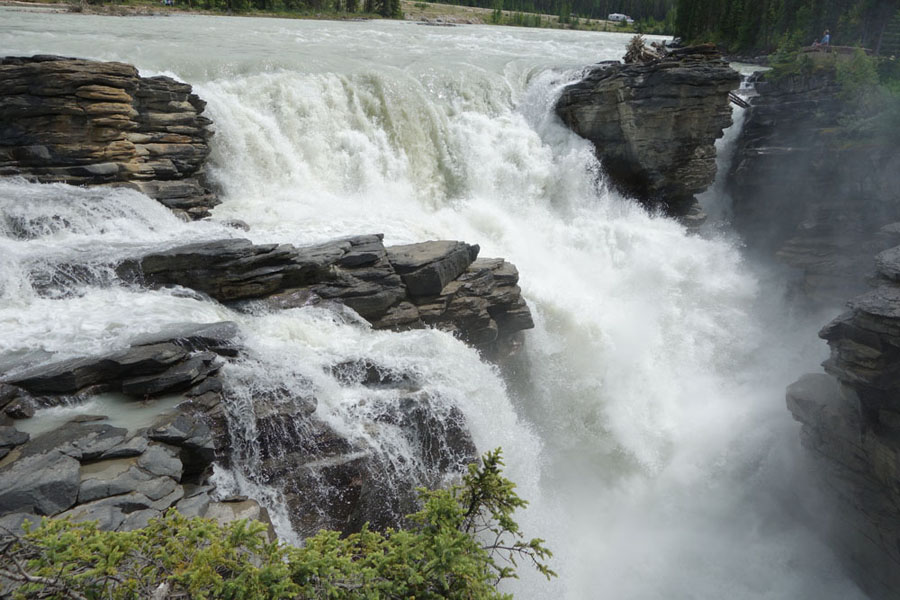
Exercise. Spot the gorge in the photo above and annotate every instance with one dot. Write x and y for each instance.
(642, 416)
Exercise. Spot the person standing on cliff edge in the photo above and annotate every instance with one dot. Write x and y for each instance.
(826, 39)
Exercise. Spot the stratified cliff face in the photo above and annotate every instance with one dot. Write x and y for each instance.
(94, 123)
(810, 192)
(851, 425)
(654, 125)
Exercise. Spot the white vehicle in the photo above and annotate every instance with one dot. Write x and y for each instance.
(618, 17)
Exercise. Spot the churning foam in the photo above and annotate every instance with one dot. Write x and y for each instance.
(645, 418)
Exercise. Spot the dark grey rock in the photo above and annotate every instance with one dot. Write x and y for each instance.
(13, 523)
(191, 432)
(428, 266)
(82, 441)
(139, 519)
(11, 437)
(168, 360)
(110, 512)
(888, 263)
(161, 460)
(45, 483)
(133, 446)
(20, 408)
(194, 506)
(176, 378)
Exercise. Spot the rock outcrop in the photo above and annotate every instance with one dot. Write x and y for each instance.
(654, 125)
(99, 123)
(437, 283)
(810, 192)
(851, 425)
(95, 123)
(91, 470)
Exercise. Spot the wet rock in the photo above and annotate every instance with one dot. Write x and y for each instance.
(484, 306)
(194, 506)
(20, 408)
(121, 476)
(810, 192)
(134, 446)
(110, 512)
(82, 441)
(436, 283)
(8, 393)
(191, 433)
(99, 123)
(11, 437)
(169, 361)
(654, 124)
(161, 460)
(176, 378)
(429, 266)
(45, 484)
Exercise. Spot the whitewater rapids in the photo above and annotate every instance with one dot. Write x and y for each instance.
(645, 418)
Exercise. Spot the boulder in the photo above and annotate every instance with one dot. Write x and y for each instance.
(87, 122)
(45, 484)
(654, 124)
(11, 437)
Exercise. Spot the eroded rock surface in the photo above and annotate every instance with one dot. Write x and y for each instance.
(86, 122)
(851, 425)
(437, 283)
(654, 125)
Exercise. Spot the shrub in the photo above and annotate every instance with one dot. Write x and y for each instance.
(464, 541)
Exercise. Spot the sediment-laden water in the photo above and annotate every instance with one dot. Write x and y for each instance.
(644, 418)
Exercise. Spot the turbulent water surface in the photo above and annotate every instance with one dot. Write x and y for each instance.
(644, 418)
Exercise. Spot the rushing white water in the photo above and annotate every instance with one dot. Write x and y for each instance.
(645, 419)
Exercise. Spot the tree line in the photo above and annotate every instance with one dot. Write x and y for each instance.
(592, 9)
(764, 25)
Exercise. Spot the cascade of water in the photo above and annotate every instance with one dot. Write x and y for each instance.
(645, 418)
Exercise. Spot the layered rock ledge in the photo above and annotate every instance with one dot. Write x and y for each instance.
(437, 283)
(89, 469)
(86, 122)
(654, 124)
(851, 426)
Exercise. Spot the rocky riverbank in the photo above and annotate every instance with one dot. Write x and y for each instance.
(101, 124)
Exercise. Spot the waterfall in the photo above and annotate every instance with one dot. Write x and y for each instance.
(644, 419)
